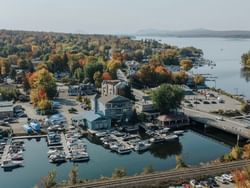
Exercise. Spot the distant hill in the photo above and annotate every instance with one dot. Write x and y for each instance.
(195, 33)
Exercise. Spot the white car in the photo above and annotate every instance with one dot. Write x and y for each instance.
(220, 179)
(195, 184)
(220, 118)
(227, 177)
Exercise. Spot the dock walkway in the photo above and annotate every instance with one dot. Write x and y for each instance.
(119, 139)
(5, 151)
(64, 143)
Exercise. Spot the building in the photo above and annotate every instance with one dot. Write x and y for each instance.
(115, 107)
(91, 120)
(6, 109)
(132, 67)
(113, 87)
(82, 89)
(173, 120)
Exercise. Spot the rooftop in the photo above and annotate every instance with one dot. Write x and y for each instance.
(113, 98)
(88, 115)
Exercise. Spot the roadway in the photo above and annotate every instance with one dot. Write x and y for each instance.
(168, 176)
(227, 124)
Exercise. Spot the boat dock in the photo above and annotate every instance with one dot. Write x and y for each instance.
(29, 137)
(121, 141)
(5, 151)
(64, 144)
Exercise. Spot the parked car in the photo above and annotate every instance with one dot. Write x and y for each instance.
(206, 102)
(220, 179)
(195, 184)
(227, 177)
(213, 102)
(220, 118)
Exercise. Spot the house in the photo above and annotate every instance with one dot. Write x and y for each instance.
(6, 109)
(145, 105)
(115, 107)
(91, 120)
(82, 89)
(132, 67)
(173, 120)
(113, 87)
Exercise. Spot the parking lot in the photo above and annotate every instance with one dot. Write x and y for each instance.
(211, 102)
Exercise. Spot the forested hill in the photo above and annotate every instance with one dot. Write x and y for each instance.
(196, 33)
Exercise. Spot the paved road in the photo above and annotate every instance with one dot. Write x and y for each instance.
(184, 174)
(228, 125)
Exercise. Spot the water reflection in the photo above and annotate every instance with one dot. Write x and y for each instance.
(245, 73)
(167, 149)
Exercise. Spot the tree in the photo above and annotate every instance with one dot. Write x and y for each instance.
(91, 68)
(79, 74)
(98, 79)
(198, 79)
(106, 76)
(112, 67)
(186, 64)
(241, 178)
(49, 181)
(179, 162)
(246, 151)
(12, 73)
(73, 174)
(119, 173)
(236, 152)
(245, 108)
(148, 170)
(43, 86)
(167, 97)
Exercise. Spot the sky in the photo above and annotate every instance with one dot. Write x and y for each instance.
(123, 16)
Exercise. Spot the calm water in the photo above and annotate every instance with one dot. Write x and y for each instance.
(193, 147)
(226, 53)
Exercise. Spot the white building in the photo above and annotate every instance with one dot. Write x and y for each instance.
(113, 87)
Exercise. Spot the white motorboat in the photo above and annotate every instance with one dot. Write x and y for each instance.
(171, 137)
(113, 146)
(80, 157)
(180, 132)
(123, 150)
(142, 146)
(8, 163)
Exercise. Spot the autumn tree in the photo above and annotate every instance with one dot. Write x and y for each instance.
(73, 174)
(106, 76)
(119, 173)
(113, 66)
(49, 181)
(43, 86)
(198, 79)
(186, 64)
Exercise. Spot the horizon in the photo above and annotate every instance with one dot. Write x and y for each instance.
(123, 17)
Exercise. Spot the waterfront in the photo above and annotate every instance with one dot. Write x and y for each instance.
(102, 162)
(226, 53)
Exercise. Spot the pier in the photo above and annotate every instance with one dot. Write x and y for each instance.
(119, 139)
(5, 151)
(29, 137)
(64, 144)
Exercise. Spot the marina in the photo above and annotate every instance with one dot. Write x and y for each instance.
(161, 156)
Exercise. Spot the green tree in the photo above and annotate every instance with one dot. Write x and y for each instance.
(167, 97)
(73, 174)
(119, 173)
(12, 73)
(98, 79)
(79, 74)
(91, 68)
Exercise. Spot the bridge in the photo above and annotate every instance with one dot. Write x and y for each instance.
(168, 176)
(229, 125)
